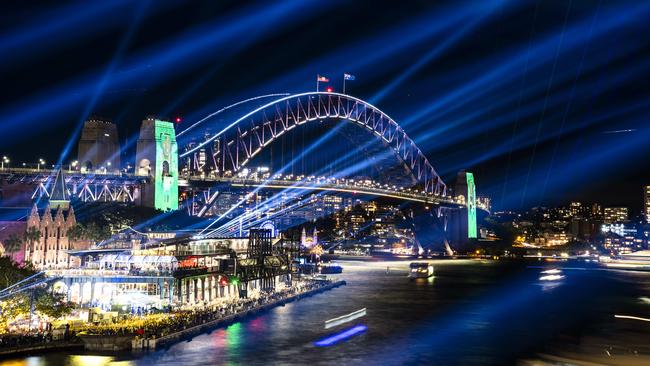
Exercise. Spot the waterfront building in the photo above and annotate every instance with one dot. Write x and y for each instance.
(182, 272)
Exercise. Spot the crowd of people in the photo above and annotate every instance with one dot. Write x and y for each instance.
(44, 336)
(160, 325)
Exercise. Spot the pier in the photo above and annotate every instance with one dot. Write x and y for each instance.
(98, 342)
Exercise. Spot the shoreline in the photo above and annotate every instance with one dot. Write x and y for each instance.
(154, 343)
(43, 348)
(133, 343)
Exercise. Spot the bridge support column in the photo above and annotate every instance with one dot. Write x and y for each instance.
(157, 158)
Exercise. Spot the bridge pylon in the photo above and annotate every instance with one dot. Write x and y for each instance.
(157, 158)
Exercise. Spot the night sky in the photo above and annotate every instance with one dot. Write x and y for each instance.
(545, 101)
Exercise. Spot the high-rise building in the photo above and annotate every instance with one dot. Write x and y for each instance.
(615, 214)
(646, 203)
(99, 147)
(596, 212)
(576, 209)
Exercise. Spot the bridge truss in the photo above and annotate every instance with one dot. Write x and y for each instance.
(86, 187)
(229, 150)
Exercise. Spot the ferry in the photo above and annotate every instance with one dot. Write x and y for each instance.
(638, 261)
(331, 268)
(420, 270)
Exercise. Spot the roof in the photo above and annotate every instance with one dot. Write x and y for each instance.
(59, 195)
(138, 259)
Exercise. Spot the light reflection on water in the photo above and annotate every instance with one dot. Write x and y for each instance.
(470, 312)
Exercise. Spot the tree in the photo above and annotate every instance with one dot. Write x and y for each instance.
(76, 232)
(11, 272)
(31, 235)
(12, 244)
(46, 302)
(52, 304)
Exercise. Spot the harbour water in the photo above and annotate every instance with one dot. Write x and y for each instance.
(470, 312)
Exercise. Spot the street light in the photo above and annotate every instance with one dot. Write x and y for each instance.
(74, 164)
(40, 162)
(5, 160)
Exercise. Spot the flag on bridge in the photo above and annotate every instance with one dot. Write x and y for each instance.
(348, 77)
(321, 79)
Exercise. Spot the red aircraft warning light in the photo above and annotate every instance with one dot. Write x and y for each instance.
(329, 89)
(178, 119)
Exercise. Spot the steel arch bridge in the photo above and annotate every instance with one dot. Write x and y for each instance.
(234, 146)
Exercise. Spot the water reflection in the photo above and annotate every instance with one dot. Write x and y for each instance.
(463, 315)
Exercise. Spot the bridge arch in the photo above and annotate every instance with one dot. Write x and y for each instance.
(234, 146)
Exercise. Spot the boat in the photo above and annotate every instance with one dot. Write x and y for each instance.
(420, 270)
(638, 261)
(331, 268)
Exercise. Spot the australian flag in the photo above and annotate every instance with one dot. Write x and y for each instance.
(348, 77)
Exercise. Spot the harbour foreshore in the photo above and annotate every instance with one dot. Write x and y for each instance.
(39, 348)
(210, 320)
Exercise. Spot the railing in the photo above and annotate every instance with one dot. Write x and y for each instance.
(335, 186)
(52, 171)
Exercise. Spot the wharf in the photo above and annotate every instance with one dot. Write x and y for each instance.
(40, 348)
(153, 343)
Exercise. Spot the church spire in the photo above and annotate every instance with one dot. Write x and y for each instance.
(59, 196)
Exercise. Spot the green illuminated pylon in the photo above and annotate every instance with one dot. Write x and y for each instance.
(471, 206)
(157, 158)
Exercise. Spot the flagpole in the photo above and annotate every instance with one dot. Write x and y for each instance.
(317, 81)
(343, 83)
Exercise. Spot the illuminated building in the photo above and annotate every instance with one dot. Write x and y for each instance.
(553, 239)
(484, 202)
(577, 209)
(99, 148)
(619, 229)
(309, 241)
(615, 214)
(182, 272)
(50, 249)
(596, 212)
(623, 238)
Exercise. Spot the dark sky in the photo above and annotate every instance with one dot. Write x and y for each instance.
(546, 101)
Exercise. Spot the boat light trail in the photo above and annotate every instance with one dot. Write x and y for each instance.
(631, 317)
(341, 336)
(345, 318)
